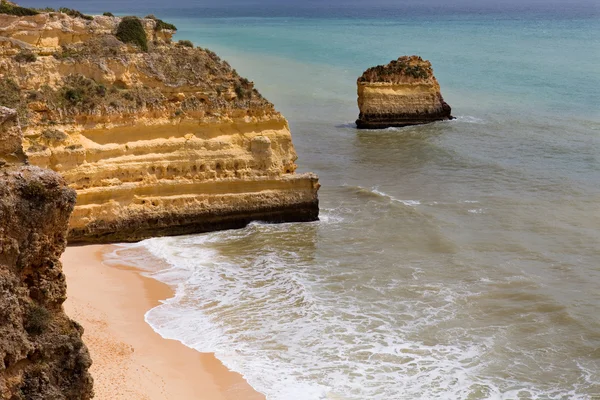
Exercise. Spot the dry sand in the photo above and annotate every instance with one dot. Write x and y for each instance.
(131, 361)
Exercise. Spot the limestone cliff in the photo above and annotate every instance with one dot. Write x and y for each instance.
(156, 137)
(401, 93)
(41, 352)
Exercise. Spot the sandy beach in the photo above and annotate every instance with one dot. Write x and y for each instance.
(130, 360)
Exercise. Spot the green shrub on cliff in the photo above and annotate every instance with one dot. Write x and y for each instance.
(75, 14)
(53, 136)
(186, 43)
(10, 93)
(11, 97)
(97, 47)
(131, 30)
(108, 14)
(164, 26)
(37, 320)
(160, 24)
(25, 56)
(12, 9)
(81, 95)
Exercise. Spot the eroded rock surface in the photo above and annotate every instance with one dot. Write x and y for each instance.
(165, 141)
(42, 355)
(401, 93)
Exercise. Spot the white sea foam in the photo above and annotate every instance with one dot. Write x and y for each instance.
(375, 190)
(272, 316)
(476, 211)
(469, 119)
(332, 215)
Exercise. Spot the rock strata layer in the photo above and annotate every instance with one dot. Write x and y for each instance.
(42, 355)
(402, 93)
(157, 141)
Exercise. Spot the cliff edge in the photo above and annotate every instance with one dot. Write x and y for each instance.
(42, 355)
(402, 93)
(157, 137)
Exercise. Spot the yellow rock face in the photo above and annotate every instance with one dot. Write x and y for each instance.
(171, 141)
(402, 93)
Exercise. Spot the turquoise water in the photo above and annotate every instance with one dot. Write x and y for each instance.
(457, 260)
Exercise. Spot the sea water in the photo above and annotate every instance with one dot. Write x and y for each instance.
(457, 260)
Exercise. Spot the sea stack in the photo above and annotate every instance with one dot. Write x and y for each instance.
(401, 93)
(157, 137)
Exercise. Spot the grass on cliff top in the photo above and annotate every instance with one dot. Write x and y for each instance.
(400, 70)
(82, 95)
(131, 30)
(12, 9)
(219, 87)
(97, 47)
(75, 14)
(7, 7)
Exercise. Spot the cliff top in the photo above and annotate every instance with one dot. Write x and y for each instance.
(62, 64)
(405, 69)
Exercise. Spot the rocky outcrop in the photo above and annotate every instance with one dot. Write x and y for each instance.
(401, 93)
(42, 355)
(168, 140)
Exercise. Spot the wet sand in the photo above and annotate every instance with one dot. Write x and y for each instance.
(130, 360)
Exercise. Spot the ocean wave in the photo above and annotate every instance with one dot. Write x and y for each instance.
(476, 211)
(469, 119)
(332, 215)
(374, 191)
(306, 328)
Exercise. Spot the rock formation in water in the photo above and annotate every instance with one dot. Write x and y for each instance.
(156, 137)
(42, 355)
(401, 93)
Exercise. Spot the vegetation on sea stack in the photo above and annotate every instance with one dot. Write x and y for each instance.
(131, 30)
(402, 69)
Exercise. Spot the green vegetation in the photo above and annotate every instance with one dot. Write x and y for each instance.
(160, 24)
(11, 9)
(84, 95)
(53, 136)
(10, 93)
(108, 14)
(101, 46)
(81, 91)
(186, 43)
(244, 88)
(75, 14)
(25, 56)
(397, 70)
(10, 96)
(37, 321)
(130, 30)
(164, 26)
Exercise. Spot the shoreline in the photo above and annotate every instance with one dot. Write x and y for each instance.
(130, 359)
